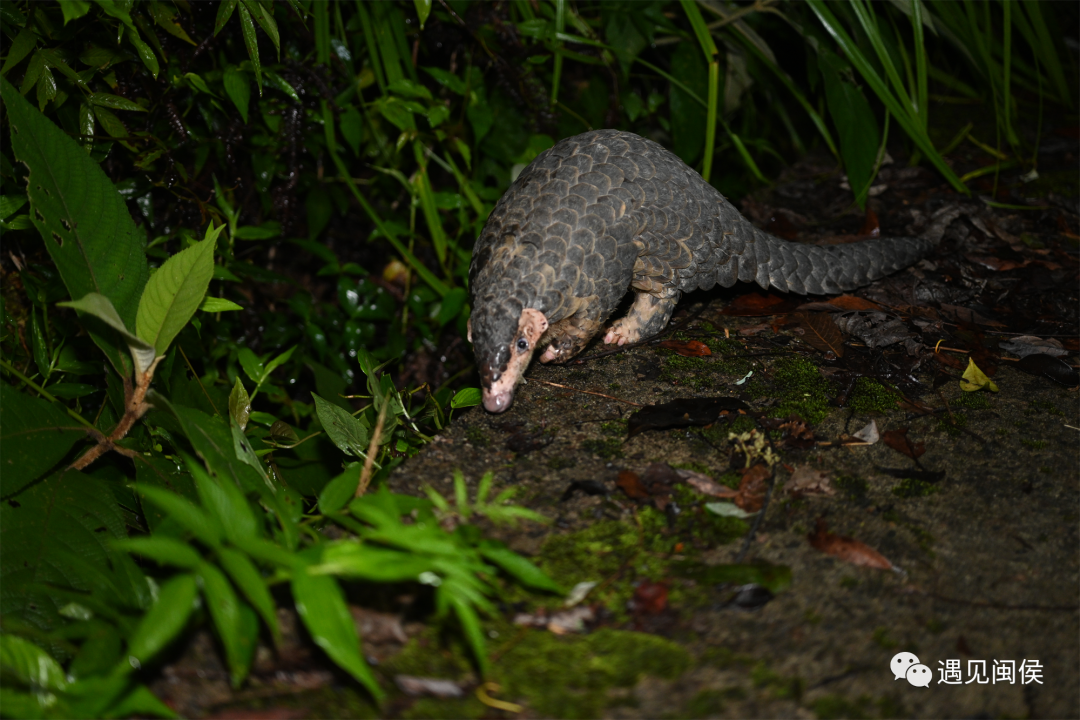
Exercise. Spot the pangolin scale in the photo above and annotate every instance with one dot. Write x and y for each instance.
(607, 211)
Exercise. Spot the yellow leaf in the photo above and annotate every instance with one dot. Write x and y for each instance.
(975, 379)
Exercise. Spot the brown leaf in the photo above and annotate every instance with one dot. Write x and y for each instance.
(705, 484)
(650, 598)
(752, 488)
(901, 443)
(687, 348)
(820, 332)
(755, 304)
(871, 227)
(950, 360)
(846, 549)
(807, 481)
(631, 484)
(840, 303)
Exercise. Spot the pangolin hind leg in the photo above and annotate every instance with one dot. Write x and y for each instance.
(648, 315)
(570, 335)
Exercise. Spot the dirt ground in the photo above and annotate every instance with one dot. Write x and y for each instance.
(982, 529)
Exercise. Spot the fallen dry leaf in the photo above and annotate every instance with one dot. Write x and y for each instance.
(631, 484)
(703, 483)
(434, 687)
(751, 494)
(687, 348)
(807, 481)
(819, 331)
(869, 434)
(839, 303)
(901, 443)
(755, 304)
(650, 598)
(847, 549)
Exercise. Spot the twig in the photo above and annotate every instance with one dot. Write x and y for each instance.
(587, 392)
(373, 448)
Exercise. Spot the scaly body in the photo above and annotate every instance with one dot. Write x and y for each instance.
(608, 211)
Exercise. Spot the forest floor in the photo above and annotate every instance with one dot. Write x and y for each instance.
(949, 530)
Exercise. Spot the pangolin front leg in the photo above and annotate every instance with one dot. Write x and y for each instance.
(570, 335)
(648, 315)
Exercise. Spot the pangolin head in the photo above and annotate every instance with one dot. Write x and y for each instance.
(504, 336)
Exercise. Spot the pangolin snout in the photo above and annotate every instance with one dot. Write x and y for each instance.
(497, 402)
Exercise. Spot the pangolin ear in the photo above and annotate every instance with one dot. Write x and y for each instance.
(468, 330)
(534, 322)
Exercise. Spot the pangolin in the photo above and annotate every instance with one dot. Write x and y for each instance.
(607, 211)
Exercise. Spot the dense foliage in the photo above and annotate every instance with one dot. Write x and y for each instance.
(220, 218)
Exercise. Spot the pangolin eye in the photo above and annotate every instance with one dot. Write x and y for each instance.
(522, 344)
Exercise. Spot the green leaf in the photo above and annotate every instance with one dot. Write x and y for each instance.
(138, 703)
(688, 116)
(265, 18)
(519, 567)
(351, 124)
(251, 42)
(855, 122)
(321, 606)
(409, 88)
(175, 291)
(10, 204)
(371, 563)
(251, 364)
(466, 397)
(470, 625)
(143, 51)
(343, 429)
(163, 621)
(225, 11)
(278, 361)
(216, 305)
(239, 404)
(340, 490)
(447, 79)
(238, 88)
(81, 217)
(20, 47)
(34, 436)
(99, 306)
(190, 516)
(163, 550)
(30, 666)
(164, 15)
(225, 501)
(423, 9)
(199, 84)
(251, 583)
(226, 612)
(74, 9)
(115, 102)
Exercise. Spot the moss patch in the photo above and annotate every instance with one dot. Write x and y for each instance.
(870, 396)
(800, 389)
(912, 488)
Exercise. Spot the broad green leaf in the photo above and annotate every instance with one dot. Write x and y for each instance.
(9, 204)
(82, 219)
(163, 621)
(519, 568)
(225, 609)
(447, 79)
(215, 305)
(688, 116)
(857, 127)
(239, 404)
(408, 88)
(145, 53)
(31, 666)
(246, 576)
(191, 517)
(278, 361)
(115, 102)
(975, 379)
(466, 397)
(174, 292)
(20, 47)
(225, 501)
(34, 436)
(74, 9)
(164, 550)
(139, 702)
(252, 365)
(199, 84)
(340, 490)
(164, 15)
(238, 88)
(99, 306)
(246, 454)
(348, 433)
(321, 606)
(371, 563)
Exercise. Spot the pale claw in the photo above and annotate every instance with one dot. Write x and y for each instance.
(550, 353)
